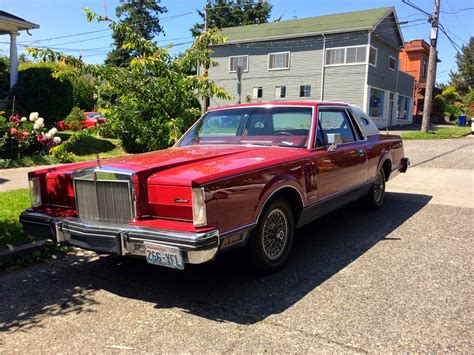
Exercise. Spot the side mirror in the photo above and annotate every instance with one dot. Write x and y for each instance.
(334, 139)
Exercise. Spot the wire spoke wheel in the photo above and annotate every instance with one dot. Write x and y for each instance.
(275, 234)
(379, 187)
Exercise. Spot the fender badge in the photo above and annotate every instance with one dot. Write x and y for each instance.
(179, 200)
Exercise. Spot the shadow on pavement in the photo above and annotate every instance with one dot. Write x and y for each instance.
(2, 180)
(222, 290)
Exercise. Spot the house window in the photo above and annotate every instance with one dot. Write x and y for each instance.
(238, 61)
(257, 92)
(392, 63)
(335, 56)
(355, 54)
(280, 91)
(377, 99)
(403, 107)
(278, 61)
(373, 56)
(305, 90)
(346, 55)
(424, 66)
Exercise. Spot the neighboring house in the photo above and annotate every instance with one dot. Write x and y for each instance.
(11, 25)
(351, 57)
(414, 61)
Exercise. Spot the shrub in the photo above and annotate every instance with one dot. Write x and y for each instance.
(20, 136)
(37, 90)
(75, 119)
(4, 77)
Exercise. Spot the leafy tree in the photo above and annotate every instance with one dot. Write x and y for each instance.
(463, 79)
(142, 16)
(230, 13)
(155, 98)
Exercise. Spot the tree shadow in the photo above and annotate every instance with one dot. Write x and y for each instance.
(222, 290)
(2, 180)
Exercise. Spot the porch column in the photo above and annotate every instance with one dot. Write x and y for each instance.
(13, 60)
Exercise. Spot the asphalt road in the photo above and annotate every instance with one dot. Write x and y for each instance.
(400, 279)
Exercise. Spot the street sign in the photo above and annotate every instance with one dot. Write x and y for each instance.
(239, 71)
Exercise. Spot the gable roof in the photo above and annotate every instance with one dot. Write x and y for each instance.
(334, 23)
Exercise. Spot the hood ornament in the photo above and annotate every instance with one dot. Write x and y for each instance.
(98, 160)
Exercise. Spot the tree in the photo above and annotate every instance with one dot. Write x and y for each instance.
(463, 79)
(154, 98)
(142, 16)
(230, 13)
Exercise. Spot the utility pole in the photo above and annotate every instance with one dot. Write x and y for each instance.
(205, 101)
(431, 77)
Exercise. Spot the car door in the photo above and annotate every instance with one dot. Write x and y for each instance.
(344, 168)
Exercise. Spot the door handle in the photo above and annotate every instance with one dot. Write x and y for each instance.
(361, 152)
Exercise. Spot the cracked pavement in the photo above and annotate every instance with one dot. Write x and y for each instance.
(396, 280)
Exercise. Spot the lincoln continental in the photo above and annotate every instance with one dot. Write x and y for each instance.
(242, 176)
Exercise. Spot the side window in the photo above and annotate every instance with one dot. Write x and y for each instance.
(336, 121)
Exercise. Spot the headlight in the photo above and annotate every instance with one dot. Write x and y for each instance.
(35, 192)
(199, 207)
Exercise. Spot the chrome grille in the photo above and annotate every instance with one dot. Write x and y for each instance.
(104, 201)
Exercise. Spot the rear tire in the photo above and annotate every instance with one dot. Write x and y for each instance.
(271, 241)
(373, 200)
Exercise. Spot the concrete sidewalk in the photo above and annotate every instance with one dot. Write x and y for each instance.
(17, 178)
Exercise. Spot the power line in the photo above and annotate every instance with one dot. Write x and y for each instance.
(457, 11)
(163, 19)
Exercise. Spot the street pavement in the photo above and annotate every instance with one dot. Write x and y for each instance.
(395, 280)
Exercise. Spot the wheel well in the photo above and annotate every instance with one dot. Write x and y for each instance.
(387, 168)
(290, 195)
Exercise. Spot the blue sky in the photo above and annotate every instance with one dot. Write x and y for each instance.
(64, 17)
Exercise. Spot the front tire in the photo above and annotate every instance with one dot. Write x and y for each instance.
(373, 200)
(271, 241)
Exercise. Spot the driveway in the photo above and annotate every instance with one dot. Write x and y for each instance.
(399, 279)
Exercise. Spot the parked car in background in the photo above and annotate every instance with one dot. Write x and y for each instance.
(91, 119)
(242, 176)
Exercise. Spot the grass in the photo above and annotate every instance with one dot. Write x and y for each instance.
(12, 203)
(85, 149)
(441, 133)
(89, 145)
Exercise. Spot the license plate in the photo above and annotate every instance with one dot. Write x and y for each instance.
(163, 255)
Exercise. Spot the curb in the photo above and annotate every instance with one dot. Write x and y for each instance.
(23, 249)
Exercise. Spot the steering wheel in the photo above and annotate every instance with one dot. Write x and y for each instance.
(283, 133)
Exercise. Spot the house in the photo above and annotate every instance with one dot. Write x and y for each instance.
(414, 61)
(12, 25)
(351, 57)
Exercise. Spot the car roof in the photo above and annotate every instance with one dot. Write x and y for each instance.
(282, 103)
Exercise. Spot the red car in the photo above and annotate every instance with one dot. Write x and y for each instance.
(244, 175)
(92, 119)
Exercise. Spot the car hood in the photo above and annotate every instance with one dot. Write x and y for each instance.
(189, 165)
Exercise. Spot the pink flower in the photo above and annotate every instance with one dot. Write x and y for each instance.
(13, 131)
(15, 118)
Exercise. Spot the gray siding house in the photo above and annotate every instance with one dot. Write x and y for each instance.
(350, 57)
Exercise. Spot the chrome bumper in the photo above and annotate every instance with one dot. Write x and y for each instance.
(195, 248)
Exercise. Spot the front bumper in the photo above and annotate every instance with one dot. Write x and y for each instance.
(195, 248)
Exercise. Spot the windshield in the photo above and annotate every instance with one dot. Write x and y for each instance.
(272, 126)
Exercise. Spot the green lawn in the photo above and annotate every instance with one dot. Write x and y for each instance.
(89, 146)
(441, 133)
(12, 203)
